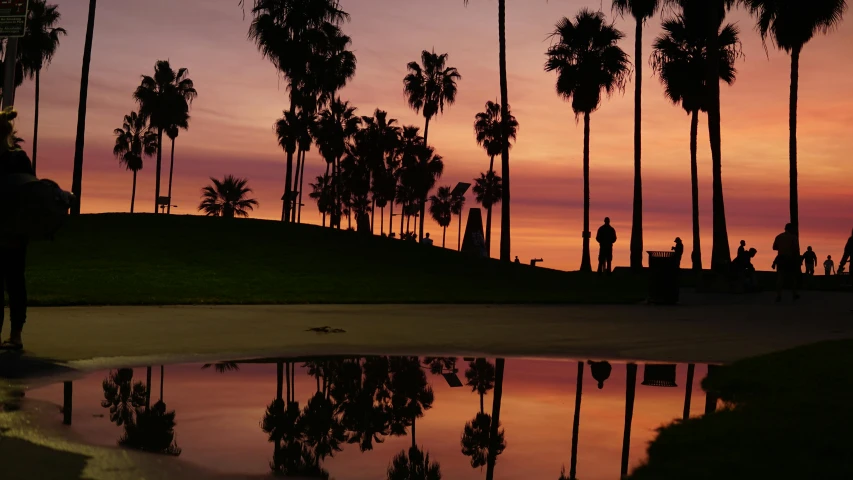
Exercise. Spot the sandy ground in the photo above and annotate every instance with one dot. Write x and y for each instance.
(68, 341)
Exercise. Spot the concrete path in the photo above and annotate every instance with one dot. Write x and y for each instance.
(702, 329)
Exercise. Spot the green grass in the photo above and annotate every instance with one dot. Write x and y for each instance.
(790, 417)
(119, 259)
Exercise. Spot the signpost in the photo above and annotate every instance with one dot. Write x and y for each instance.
(13, 24)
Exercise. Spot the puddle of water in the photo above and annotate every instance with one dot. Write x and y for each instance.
(361, 419)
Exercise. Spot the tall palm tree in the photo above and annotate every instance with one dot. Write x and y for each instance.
(505, 115)
(77, 174)
(587, 60)
(480, 376)
(476, 440)
(441, 210)
(680, 57)
(288, 130)
(428, 87)
(456, 208)
(227, 198)
(336, 126)
(322, 194)
(488, 128)
(134, 140)
(641, 10)
(412, 395)
(496, 435)
(630, 393)
(573, 469)
(791, 24)
(297, 36)
(164, 100)
(488, 189)
(181, 123)
(413, 464)
(36, 50)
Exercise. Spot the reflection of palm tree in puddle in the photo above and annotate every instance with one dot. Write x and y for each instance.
(441, 365)
(630, 391)
(496, 435)
(476, 439)
(414, 465)
(573, 469)
(412, 394)
(480, 376)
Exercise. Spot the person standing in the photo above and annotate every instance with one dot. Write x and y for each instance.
(679, 251)
(13, 248)
(829, 266)
(848, 252)
(606, 237)
(787, 244)
(810, 260)
(741, 249)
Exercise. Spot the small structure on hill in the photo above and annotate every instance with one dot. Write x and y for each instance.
(474, 242)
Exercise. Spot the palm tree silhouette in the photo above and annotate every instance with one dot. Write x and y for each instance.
(488, 131)
(587, 60)
(164, 101)
(181, 122)
(293, 36)
(480, 376)
(420, 169)
(322, 428)
(476, 440)
(222, 367)
(227, 198)
(382, 136)
(413, 465)
(441, 210)
(428, 87)
(573, 469)
(505, 210)
(307, 120)
(134, 140)
(412, 395)
(36, 50)
(680, 57)
(488, 189)
(153, 431)
(630, 393)
(122, 396)
(791, 24)
(496, 435)
(336, 126)
(322, 194)
(641, 10)
(77, 173)
(288, 129)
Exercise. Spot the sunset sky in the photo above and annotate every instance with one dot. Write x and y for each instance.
(240, 96)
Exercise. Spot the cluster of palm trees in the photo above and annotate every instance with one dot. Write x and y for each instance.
(695, 52)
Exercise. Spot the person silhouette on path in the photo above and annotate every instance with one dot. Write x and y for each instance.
(848, 252)
(679, 251)
(605, 237)
(517, 261)
(787, 261)
(810, 259)
(427, 241)
(829, 266)
(741, 249)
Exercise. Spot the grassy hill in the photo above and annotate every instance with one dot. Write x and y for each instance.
(120, 259)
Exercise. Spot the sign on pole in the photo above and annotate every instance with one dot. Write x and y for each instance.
(13, 18)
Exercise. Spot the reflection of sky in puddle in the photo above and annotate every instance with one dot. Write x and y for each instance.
(218, 418)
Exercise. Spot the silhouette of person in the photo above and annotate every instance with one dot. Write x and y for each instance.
(427, 241)
(810, 259)
(787, 261)
(517, 260)
(679, 251)
(600, 372)
(13, 249)
(848, 252)
(741, 249)
(829, 266)
(605, 237)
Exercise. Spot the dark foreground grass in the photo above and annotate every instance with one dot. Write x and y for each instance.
(119, 259)
(789, 417)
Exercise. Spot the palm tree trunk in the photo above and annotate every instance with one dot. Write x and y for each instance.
(318, 383)
(288, 179)
(573, 469)
(720, 253)
(505, 234)
(482, 407)
(792, 140)
(496, 415)
(133, 192)
(694, 183)
(287, 379)
(391, 219)
(424, 199)
(148, 389)
(402, 216)
(637, 224)
(586, 265)
(162, 374)
(171, 171)
(382, 221)
(630, 390)
(492, 164)
(710, 397)
(36, 120)
(301, 187)
(77, 176)
(443, 236)
(295, 187)
(373, 218)
(459, 235)
(279, 385)
(408, 222)
(325, 189)
(414, 440)
(489, 230)
(689, 390)
(159, 167)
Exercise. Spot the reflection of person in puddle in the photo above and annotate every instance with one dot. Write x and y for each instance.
(13, 249)
(600, 372)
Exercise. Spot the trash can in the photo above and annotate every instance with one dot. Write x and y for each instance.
(663, 278)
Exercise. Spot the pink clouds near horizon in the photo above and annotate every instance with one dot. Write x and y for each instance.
(240, 97)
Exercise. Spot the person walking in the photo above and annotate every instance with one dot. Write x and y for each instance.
(787, 244)
(848, 252)
(810, 260)
(13, 248)
(606, 237)
(828, 266)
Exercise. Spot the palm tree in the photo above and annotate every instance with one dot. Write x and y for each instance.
(164, 100)
(441, 210)
(122, 396)
(134, 140)
(791, 24)
(630, 393)
(412, 395)
(289, 131)
(476, 440)
(587, 60)
(36, 50)
(488, 189)
(680, 57)
(496, 435)
(182, 122)
(227, 198)
(413, 465)
(480, 376)
(322, 194)
(576, 423)
(77, 174)
(505, 211)
(336, 126)
(488, 131)
(641, 10)
(428, 87)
